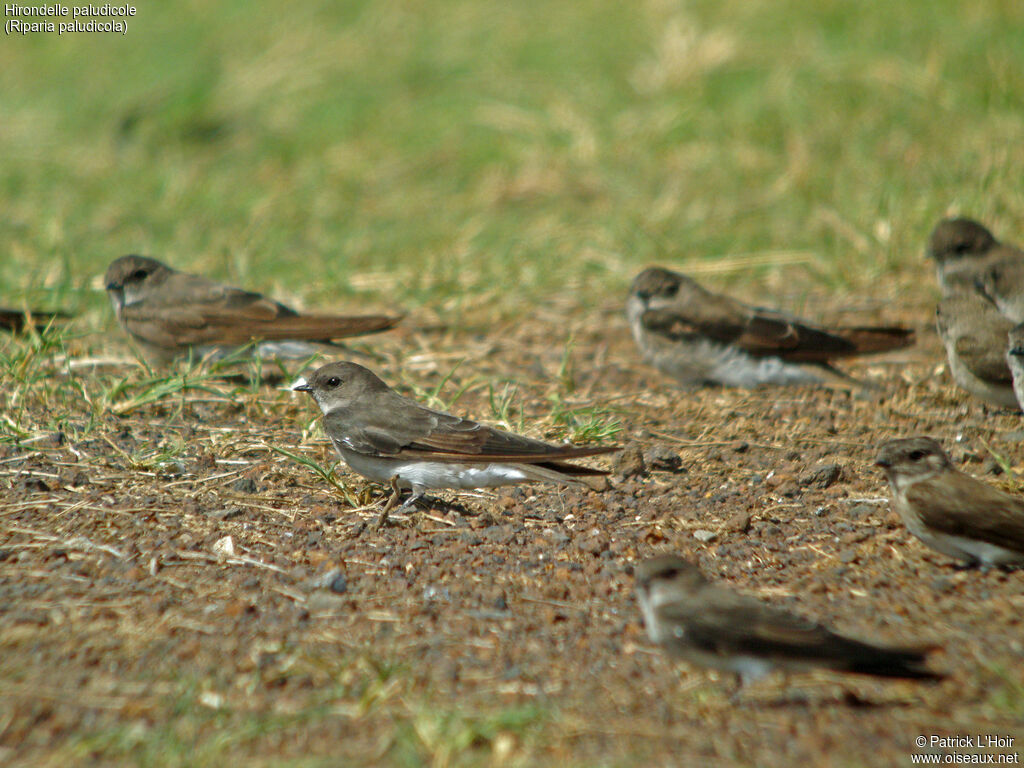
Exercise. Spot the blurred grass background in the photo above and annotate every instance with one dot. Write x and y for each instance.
(480, 157)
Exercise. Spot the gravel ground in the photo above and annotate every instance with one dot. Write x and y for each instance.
(230, 599)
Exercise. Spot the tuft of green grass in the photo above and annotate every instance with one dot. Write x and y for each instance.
(454, 737)
(431, 397)
(566, 373)
(163, 459)
(503, 406)
(1000, 459)
(129, 393)
(198, 726)
(47, 394)
(584, 423)
(195, 725)
(1006, 695)
(34, 368)
(579, 422)
(329, 475)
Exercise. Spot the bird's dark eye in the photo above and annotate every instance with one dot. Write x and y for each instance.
(916, 455)
(667, 291)
(333, 381)
(138, 274)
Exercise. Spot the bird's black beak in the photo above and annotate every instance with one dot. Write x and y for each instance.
(884, 463)
(301, 385)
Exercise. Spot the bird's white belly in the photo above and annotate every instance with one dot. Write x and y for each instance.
(284, 350)
(750, 668)
(972, 550)
(959, 547)
(736, 368)
(702, 361)
(433, 474)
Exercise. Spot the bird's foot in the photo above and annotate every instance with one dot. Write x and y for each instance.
(413, 500)
(392, 502)
(970, 565)
(736, 697)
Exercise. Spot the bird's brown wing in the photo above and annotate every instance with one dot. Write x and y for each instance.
(400, 428)
(239, 328)
(963, 506)
(984, 359)
(981, 346)
(764, 333)
(730, 624)
(698, 314)
(194, 311)
(978, 332)
(726, 623)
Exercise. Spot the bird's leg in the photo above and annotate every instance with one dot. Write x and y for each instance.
(416, 495)
(391, 503)
(737, 695)
(970, 565)
(785, 693)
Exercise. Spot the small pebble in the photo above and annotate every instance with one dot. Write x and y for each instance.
(738, 523)
(629, 462)
(822, 476)
(662, 459)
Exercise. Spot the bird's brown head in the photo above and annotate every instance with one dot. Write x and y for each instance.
(657, 289)
(339, 385)
(912, 458)
(668, 568)
(129, 277)
(656, 283)
(955, 239)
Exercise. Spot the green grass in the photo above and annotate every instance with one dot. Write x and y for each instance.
(506, 410)
(1006, 696)
(480, 156)
(196, 726)
(447, 738)
(328, 474)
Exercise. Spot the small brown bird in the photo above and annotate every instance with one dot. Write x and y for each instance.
(950, 511)
(172, 313)
(975, 336)
(17, 320)
(962, 250)
(969, 258)
(702, 338)
(386, 437)
(713, 626)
